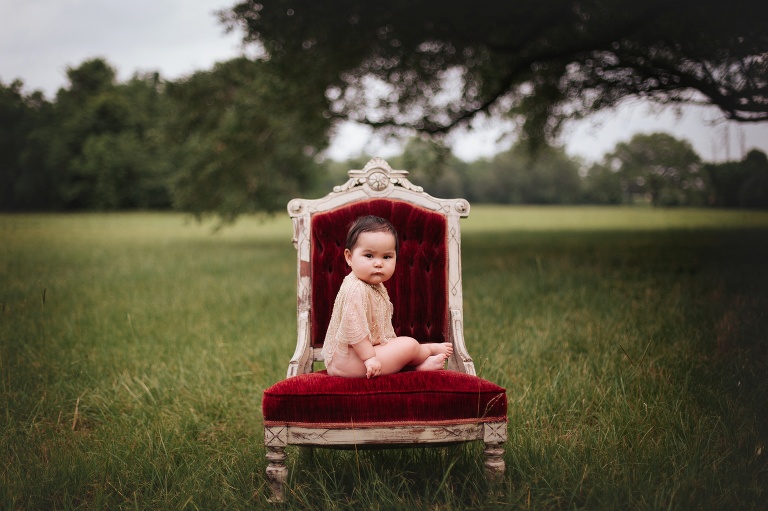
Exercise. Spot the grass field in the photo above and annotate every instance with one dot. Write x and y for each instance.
(134, 349)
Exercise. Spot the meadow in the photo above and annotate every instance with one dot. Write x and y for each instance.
(632, 342)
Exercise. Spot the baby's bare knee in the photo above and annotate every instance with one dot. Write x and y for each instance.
(410, 345)
(419, 350)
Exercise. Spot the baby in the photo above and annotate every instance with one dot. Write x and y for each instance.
(361, 340)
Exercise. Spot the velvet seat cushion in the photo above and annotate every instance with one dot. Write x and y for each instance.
(414, 397)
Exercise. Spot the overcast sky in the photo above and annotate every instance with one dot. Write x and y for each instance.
(40, 39)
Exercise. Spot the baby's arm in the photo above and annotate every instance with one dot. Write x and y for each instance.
(367, 354)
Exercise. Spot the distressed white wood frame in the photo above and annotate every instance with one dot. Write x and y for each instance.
(378, 180)
(277, 438)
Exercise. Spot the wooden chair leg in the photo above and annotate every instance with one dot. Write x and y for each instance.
(494, 461)
(494, 436)
(277, 472)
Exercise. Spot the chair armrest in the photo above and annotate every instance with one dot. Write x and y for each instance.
(302, 359)
(461, 360)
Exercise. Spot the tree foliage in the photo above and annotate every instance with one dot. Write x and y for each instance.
(518, 176)
(433, 65)
(740, 184)
(244, 139)
(106, 150)
(658, 166)
(238, 138)
(23, 121)
(245, 136)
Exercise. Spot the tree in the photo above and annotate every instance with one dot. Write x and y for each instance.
(432, 65)
(603, 185)
(107, 151)
(87, 108)
(547, 176)
(245, 139)
(432, 166)
(14, 115)
(242, 137)
(24, 121)
(740, 184)
(520, 176)
(661, 167)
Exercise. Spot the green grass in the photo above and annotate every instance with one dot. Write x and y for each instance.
(632, 343)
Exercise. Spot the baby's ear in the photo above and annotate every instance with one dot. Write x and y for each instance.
(347, 255)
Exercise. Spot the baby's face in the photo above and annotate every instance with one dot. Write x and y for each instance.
(373, 258)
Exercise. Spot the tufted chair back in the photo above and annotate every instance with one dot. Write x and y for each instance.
(418, 288)
(426, 287)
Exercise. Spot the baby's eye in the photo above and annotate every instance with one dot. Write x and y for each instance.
(369, 256)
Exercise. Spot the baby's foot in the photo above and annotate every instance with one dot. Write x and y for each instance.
(432, 363)
(441, 348)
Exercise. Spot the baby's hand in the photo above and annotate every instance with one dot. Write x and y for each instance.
(373, 367)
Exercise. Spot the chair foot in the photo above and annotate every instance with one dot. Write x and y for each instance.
(277, 473)
(494, 461)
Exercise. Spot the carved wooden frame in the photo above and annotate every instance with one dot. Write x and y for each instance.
(378, 180)
(277, 438)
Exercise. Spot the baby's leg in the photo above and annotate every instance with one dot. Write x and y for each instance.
(349, 367)
(404, 351)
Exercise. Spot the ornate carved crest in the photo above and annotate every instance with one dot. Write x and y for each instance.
(377, 179)
(377, 176)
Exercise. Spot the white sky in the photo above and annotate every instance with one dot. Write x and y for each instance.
(40, 39)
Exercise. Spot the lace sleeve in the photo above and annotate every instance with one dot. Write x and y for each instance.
(349, 321)
(354, 325)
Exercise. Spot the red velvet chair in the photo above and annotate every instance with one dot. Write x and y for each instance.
(432, 407)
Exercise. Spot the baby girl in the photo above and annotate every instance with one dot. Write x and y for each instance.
(361, 340)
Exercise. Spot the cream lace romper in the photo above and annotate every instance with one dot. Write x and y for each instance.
(361, 312)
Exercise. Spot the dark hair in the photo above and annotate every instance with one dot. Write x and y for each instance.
(370, 223)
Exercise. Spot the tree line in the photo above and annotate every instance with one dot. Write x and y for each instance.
(656, 169)
(234, 139)
(245, 137)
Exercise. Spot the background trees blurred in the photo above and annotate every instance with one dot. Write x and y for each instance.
(247, 135)
(739, 184)
(241, 138)
(438, 63)
(106, 148)
(656, 167)
(25, 182)
(235, 139)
